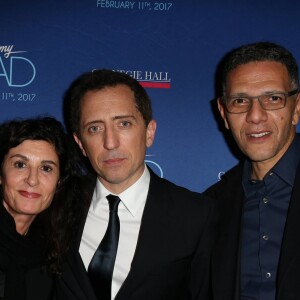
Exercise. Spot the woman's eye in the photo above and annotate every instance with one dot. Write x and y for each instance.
(47, 169)
(19, 164)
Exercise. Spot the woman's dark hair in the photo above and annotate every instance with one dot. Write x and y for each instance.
(57, 221)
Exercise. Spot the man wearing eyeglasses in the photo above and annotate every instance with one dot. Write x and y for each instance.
(257, 254)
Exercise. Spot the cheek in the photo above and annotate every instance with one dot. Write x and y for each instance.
(52, 189)
(49, 182)
(9, 194)
(282, 119)
(49, 192)
(93, 147)
(235, 125)
(10, 183)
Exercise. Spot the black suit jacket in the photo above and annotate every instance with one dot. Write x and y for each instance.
(226, 254)
(172, 256)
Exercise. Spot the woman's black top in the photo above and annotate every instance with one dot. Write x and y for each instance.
(21, 275)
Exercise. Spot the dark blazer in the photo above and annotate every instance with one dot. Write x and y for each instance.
(226, 254)
(172, 256)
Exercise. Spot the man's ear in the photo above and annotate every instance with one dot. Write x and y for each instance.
(79, 143)
(296, 114)
(222, 111)
(150, 133)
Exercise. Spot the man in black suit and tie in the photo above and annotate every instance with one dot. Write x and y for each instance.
(257, 252)
(140, 237)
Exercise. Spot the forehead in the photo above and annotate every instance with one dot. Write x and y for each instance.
(109, 99)
(258, 75)
(37, 148)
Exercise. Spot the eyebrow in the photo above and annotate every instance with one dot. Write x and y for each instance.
(124, 117)
(264, 93)
(27, 159)
(114, 118)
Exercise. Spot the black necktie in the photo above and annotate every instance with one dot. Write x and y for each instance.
(101, 267)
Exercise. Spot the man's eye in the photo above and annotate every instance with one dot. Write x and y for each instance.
(239, 101)
(125, 123)
(93, 129)
(275, 98)
(19, 164)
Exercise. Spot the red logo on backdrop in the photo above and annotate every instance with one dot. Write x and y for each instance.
(150, 79)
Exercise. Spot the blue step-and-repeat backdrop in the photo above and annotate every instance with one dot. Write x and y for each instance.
(172, 47)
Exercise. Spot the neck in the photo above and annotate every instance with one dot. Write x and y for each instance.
(261, 168)
(259, 171)
(22, 228)
(22, 222)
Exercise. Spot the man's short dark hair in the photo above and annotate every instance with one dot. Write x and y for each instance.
(258, 52)
(98, 80)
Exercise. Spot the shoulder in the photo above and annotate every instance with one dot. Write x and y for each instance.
(188, 211)
(176, 194)
(231, 179)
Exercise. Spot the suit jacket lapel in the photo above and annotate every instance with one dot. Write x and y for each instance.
(76, 278)
(291, 239)
(227, 251)
(152, 228)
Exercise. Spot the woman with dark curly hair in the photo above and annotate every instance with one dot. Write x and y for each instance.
(38, 182)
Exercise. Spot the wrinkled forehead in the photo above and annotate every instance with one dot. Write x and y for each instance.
(267, 76)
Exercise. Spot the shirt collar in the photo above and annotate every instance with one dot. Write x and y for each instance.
(285, 168)
(132, 198)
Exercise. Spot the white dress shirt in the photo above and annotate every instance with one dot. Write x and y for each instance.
(130, 213)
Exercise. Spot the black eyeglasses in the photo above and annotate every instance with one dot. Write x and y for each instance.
(270, 101)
